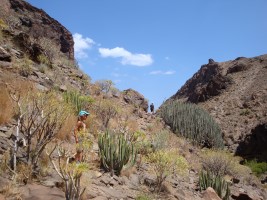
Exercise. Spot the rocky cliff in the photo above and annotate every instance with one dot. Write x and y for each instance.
(34, 24)
(235, 94)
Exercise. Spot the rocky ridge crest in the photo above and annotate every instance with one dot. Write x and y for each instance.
(235, 94)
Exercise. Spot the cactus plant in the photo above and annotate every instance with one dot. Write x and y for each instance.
(115, 152)
(77, 100)
(221, 187)
(191, 121)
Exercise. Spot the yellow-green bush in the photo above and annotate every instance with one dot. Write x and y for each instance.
(43, 59)
(160, 140)
(166, 162)
(257, 168)
(3, 25)
(143, 197)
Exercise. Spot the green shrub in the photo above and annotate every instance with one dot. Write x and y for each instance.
(42, 59)
(245, 112)
(220, 186)
(3, 25)
(257, 168)
(192, 122)
(144, 147)
(115, 152)
(26, 67)
(166, 162)
(160, 140)
(143, 197)
(106, 110)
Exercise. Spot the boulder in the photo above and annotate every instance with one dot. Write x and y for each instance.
(210, 194)
(131, 96)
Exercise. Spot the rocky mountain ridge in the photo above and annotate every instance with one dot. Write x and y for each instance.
(235, 94)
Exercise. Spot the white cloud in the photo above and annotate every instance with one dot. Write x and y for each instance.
(127, 58)
(169, 72)
(159, 72)
(155, 72)
(82, 44)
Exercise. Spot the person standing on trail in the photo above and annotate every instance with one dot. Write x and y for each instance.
(152, 108)
(79, 134)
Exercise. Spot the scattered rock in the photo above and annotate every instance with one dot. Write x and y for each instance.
(210, 194)
(39, 192)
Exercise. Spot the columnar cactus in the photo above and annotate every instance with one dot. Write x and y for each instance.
(77, 100)
(190, 121)
(115, 152)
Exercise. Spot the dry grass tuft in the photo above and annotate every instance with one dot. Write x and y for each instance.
(66, 132)
(24, 173)
(6, 106)
(10, 191)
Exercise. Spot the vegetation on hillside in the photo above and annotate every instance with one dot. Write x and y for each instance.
(191, 121)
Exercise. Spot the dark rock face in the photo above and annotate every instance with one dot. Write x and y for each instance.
(37, 24)
(33, 49)
(237, 68)
(254, 145)
(206, 83)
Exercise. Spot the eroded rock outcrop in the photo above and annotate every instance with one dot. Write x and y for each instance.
(235, 94)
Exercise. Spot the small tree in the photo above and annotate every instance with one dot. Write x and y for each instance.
(106, 110)
(40, 117)
(104, 85)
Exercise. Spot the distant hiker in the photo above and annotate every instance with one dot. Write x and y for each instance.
(152, 108)
(79, 134)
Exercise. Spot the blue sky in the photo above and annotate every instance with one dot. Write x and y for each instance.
(155, 46)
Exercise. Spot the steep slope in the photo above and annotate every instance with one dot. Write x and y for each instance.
(235, 94)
